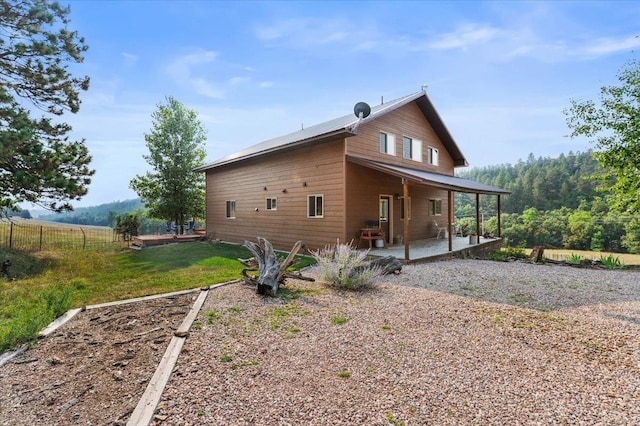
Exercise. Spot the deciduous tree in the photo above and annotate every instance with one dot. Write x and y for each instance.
(613, 124)
(173, 191)
(38, 162)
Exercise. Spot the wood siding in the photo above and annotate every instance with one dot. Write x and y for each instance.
(363, 190)
(351, 192)
(405, 121)
(320, 166)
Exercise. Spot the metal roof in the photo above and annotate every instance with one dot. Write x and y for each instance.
(433, 179)
(344, 127)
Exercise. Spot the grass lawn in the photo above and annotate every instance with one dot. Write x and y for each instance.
(561, 254)
(47, 284)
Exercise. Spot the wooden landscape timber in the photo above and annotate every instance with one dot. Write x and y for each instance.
(271, 273)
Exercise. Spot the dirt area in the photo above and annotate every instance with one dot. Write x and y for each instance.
(95, 368)
(448, 343)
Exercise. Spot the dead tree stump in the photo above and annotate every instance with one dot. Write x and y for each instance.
(537, 254)
(271, 273)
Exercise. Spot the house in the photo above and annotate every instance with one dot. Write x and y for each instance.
(392, 169)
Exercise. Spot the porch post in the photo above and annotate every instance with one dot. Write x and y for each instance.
(450, 218)
(499, 227)
(477, 218)
(405, 191)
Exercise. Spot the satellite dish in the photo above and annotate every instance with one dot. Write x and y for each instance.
(362, 110)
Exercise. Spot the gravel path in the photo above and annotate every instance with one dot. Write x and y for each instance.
(448, 343)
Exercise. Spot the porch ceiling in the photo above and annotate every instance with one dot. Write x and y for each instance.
(438, 180)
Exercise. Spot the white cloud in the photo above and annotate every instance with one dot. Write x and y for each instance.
(239, 80)
(129, 58)
(183, 68)
(465, 36)
(300, 33)
(606, 46)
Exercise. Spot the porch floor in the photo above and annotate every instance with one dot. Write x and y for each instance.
(429, 248)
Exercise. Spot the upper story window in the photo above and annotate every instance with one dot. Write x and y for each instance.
(231, 209)
(432, 154)
(411, 149)
(272, 203)
(315, 206)
(387, 143)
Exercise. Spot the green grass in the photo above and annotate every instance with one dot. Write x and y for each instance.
(339, 320)
(47, 284)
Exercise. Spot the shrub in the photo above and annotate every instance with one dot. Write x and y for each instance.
(508, 253)
(611, 262)
(344, 267)
(574, 259)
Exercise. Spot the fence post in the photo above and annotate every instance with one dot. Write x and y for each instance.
(11, 235)
(41, 237)
(84, 239)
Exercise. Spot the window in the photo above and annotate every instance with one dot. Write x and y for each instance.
(406, 147)
(402, 208)
(383, 214)
(432, 154)
(411, 149)
(435, 207)
(387, 143)
(315, 206)
(231, 209)
(272, 203)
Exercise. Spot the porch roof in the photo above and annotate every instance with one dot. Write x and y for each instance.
(438, 180)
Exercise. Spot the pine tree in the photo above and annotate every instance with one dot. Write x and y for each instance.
(38, 162)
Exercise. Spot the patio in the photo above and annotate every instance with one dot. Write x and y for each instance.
(438, 248)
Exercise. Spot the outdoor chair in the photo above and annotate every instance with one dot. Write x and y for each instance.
(439, 230)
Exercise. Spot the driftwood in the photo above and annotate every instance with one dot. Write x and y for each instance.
(387, 265)
(271, 273)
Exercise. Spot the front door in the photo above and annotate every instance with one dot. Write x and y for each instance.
(383, 216)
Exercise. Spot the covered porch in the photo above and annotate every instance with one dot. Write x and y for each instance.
(414, 246)
(432, 249)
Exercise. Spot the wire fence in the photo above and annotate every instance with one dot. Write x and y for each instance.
(38, 236)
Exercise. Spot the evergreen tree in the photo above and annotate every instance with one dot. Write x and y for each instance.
(173, 191)
(38, 162)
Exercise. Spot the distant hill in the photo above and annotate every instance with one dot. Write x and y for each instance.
(101, 215)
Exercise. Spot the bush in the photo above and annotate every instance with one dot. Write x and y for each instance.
(611, 262)
(508, 253)
(574, 259)
(344, 267)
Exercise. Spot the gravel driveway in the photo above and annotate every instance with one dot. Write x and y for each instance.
(447, 343)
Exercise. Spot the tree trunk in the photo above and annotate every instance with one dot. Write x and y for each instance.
(271, 273)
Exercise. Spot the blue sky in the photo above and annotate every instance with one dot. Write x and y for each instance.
(499, 73)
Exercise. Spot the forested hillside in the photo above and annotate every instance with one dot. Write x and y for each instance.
(554, 203)
(542, 183)
(101, 215)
